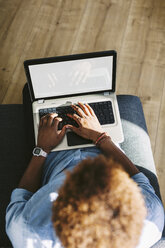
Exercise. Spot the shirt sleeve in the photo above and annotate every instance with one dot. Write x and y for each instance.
(154, 206)
(14, 213)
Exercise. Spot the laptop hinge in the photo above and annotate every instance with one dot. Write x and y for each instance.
(41, 101)
(106, 93)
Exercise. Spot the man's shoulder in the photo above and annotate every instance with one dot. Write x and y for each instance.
(155, 210)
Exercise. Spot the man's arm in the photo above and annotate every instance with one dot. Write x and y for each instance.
(90, 128)
(48, 138)
(110, 149)
(31, 179)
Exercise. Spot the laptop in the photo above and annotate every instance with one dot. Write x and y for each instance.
(56, 83)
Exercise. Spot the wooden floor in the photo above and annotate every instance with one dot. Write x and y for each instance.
(135, 28)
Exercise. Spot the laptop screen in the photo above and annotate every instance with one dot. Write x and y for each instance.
(71, 77)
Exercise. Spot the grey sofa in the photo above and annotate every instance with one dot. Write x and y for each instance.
(16, 148)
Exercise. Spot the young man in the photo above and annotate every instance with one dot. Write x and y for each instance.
(112, 204)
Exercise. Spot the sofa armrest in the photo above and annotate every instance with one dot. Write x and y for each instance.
(14, 157)
(136, 143)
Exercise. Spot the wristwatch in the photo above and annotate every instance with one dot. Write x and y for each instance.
(39, 152)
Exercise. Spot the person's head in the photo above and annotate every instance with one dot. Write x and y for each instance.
(99, 206)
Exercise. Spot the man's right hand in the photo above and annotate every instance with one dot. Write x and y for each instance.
(89, 126)
(48, 134)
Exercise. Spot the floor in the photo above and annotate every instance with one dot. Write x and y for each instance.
(134, 28)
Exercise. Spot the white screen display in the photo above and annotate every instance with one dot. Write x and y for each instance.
(72, 77)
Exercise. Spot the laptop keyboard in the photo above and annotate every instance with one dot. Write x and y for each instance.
(103, 111)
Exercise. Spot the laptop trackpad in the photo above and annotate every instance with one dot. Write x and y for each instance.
(73, 139)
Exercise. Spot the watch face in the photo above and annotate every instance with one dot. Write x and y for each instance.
(37, 151)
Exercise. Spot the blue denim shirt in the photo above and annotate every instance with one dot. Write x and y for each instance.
(28, 215)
